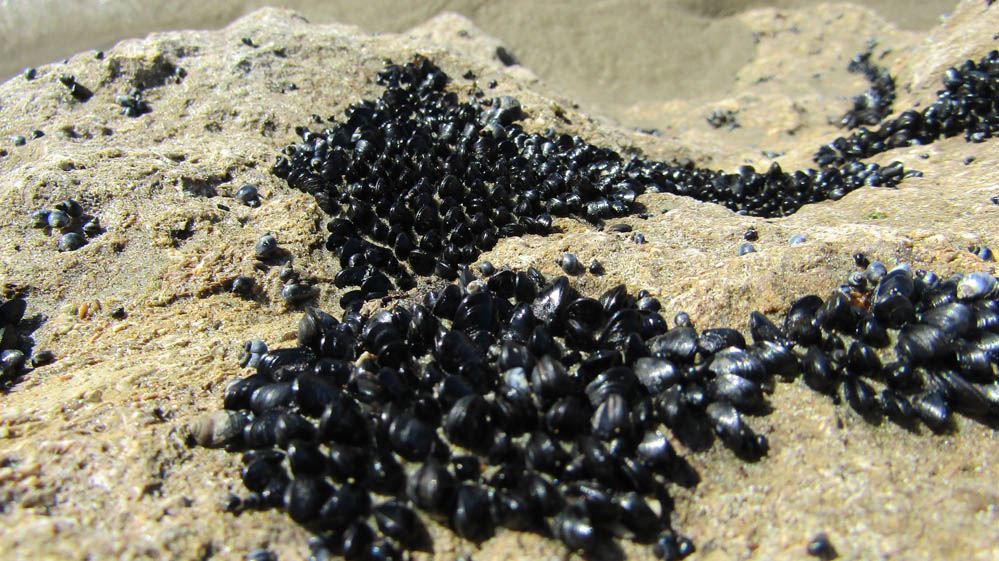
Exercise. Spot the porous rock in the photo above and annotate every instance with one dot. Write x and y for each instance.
(92, 447)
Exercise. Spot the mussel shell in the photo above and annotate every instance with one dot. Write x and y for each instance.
(713, 340)
(237, 392)
(611, 418)
(304, 497)
(472, 518)
(467, 423)
(954, 319)
(738, 362)
(678, 345)
(819, 372)
(741, 392)
(432, 488)
(656, 374)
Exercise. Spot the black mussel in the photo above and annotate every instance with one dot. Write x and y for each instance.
(385, 474)
(954, 319)
(616, 299)
(348, 463)
(933, 410)
(576, 531)
(597, 462)
(657, 452)
(737, 362)
(304, 497)
(618, 380)
(512, 509)
(410, 438)
(872, 332)
(514, 417)
(545, 454)
(259, 473)
(800, 324)
(432, 488)
(777, 359)
(401, 524)
(343, 422)
(891, 304)
(611, 418)
(896, 406)
(713, 340)
(550, 381)
(860, 395)
(819, 372)
(975, 364)
(762, 329)
(271, 396)
(741, 392)
(570, 264)
(679, 345)
(656, 374)
(467, 423)
(567, 417)
(472, 517)
(466, 468)
(836, 313)
(638, 517)
(313, 394)
(962, 395)
(728, 425)
(237, 392)
(356, 540)
(864, 360)
(305, 458)
(621, 325)
(920, 343)
(550, 305)
(272, 362)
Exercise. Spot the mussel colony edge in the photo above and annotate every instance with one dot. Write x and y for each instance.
(513, 401)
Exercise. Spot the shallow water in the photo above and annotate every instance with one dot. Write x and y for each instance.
(609, 54)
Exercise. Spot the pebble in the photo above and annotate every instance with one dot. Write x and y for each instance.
(18, 140)
(796, 239)
(746, 248)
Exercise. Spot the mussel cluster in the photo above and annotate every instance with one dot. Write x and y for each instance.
(932, 344)
(420, 183)
(504, 401)
(870, 107)
(13, 346)
(508, 401)
(969, 104)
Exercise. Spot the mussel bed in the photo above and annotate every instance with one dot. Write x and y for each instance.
(509, 401)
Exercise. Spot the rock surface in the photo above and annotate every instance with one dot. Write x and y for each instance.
(93, 459)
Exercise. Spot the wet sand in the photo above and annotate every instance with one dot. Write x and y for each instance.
(608, 56)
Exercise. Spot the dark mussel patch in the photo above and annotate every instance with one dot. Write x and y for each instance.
(967, 105)
(872, 106)
(16, 343)
(419, 183)
(491, 412)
